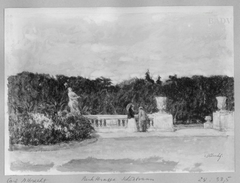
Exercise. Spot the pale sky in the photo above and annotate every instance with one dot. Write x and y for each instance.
(120, 43)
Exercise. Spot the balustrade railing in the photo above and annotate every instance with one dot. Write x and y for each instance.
(150, 122)
(112, 121)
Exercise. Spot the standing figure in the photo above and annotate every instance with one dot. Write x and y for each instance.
(73, 102)
(132, 126)
(142, 117)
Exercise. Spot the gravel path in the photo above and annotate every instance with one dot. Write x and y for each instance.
(186, 150)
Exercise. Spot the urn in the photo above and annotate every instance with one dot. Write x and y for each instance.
(161, 104)
(221, 103)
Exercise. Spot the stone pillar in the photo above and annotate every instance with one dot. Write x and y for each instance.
(162, 121)
(222, 119)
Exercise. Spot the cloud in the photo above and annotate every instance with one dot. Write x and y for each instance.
(135, 75)
(119, 43)
(159, 17)
(155, 56)
(100, 48)
(125, 59)
(100, 18)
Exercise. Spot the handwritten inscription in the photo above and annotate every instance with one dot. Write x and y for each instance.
(134, 179)
(26, 180)
(216, 179)
(212, 155)
(11, 180)
(97, 179)
(125, 179)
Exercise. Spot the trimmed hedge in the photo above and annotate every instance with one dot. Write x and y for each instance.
(190, 99)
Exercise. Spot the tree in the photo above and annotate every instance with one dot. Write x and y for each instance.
(158, 81)
(189, 98)
(148, 77)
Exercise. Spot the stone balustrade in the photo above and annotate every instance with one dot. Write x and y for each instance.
(111, 123)
(162, 121)
(102, 121)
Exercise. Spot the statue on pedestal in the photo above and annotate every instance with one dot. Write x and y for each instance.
(73, 102)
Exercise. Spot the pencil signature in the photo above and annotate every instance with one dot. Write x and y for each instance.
(212, 155)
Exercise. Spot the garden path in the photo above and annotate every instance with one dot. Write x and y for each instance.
(186, 150)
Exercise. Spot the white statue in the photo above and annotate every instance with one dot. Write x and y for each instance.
(73, 101)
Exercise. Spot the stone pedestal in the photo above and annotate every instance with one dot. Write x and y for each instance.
(162, 122)
(223, 120)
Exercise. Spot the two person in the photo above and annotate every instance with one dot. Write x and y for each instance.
(133, 126)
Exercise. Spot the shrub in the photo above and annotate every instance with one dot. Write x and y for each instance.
(37, 129)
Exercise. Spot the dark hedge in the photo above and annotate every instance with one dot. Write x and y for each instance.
(190, 99)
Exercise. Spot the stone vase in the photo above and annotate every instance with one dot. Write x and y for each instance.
(161, 104)
(221, 103)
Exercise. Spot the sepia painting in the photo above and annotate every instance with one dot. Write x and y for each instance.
(119, 90)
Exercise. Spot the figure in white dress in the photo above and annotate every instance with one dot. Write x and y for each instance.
(132, 126)
(73, 102)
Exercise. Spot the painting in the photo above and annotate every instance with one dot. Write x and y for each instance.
(112, 90)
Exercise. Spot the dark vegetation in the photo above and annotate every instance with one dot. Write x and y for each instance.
(190, 99)
(36, 130)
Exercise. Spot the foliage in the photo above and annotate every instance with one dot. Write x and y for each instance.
(189, 98)
(37, 129)
(148, 77)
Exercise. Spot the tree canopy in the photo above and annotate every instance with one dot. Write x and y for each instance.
(188, 98)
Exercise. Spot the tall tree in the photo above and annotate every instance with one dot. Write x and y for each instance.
(148, 77)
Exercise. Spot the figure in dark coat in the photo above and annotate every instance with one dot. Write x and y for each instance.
(130, 113)
(132, 126)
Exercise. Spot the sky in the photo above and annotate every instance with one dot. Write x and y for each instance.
(120, 43)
